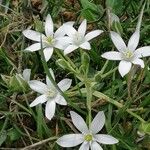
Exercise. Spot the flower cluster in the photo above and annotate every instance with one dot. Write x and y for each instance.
(68, 39)
(65, 38)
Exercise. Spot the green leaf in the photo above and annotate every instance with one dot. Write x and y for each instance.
(90, 10)
(3, 136)
(13, 134)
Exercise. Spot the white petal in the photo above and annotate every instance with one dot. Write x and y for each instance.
(134, 40)
(112, 55)
(70, 31)
(48, 82)
(50, 109)
(49, 26)
(60, 100)
(70, 49)
(138, 62)
(63, 42)
(61, 31)
(86, 45)
(34, 47)
(79, 122)
(48, 53)
(64, 84)
(70, 140)
(33, 35)
(105, 139)
(26, 74)
(82, 27)
(143, 51)
(93, 34)
(38, 86)
(118, 41)
(96, 146)
(124, 67)
(98, 122)
(39, 100)
(85, 146)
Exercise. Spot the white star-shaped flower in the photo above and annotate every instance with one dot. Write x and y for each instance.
(127, 54)
(50, 40)
(49, 94)
(79, 38)
(88, 137)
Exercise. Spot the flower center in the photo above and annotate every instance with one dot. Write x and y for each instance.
(78, 39)
(51, 93)
(128, 55)
(50, 41)
(88, 137)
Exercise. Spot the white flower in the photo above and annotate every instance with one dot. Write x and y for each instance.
(78, 38)
(127, 54)
(49, 94)
(88, 137)
(49, 41)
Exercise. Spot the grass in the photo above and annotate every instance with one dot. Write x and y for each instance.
(125, 101)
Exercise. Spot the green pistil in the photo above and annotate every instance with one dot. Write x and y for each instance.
(88, 137)
(49, 40)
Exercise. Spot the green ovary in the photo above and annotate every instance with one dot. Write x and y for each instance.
(88, 137)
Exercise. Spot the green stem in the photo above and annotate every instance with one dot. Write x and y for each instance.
(89, 100)
(54, 83)
(108, 73)
(119, 105)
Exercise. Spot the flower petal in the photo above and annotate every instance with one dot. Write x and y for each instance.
(92, 34)
(70, 31)
(124, 67)
(48, 53)
(105, 139)
(50, 109)
(86, 45)
(79, 122)
(26, 74)
(64, 84)
(82, 27)
(95, 146)
(70, 49)
(61, 31)
(33, 35)
(49, 26)
(60, 100)
(98, 122)
(138, 62)
(134, 40)
(39, 100)
(70, 140)
(85, 146)
(112, 55)
(143, 51)
(63, 42)
(34, 47)
(118, 41)
(38, 86)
